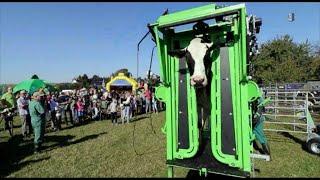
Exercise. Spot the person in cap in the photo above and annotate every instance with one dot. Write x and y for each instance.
(9, 98)
(9, 102)
(23, 104)
(38, 120)
(64, 100)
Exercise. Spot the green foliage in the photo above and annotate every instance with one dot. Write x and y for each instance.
(315, 64)
(315, 69)
(35, 77)
(282, 60)
(85, 81)
(124, 70)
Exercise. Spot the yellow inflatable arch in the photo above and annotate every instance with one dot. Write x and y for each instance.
(121, 76)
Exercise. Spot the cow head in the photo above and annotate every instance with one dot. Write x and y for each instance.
(196, 54)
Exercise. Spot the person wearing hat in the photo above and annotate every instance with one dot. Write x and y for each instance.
(9, 98)
(23, 104)
(38, 119)
(9, 101)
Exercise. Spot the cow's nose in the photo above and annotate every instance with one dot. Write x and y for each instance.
(198, 79)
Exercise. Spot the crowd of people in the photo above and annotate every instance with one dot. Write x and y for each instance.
(76, 107)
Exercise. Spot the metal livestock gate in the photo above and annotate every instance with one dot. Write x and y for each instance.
(227, 142)
(289, 112)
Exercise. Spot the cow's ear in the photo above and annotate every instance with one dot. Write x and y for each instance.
(209, 45)
(178, 52)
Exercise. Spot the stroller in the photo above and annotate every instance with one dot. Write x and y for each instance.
(7, 115)
(57, 120)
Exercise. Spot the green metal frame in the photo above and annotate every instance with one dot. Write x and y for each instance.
(243, 90)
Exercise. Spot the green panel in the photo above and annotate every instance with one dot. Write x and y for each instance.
(246, 129)
(253, 91)
(242, 90)
(216, 116)
(161, 93)
(192, 15)
(192, 109)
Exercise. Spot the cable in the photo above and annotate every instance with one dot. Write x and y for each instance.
(134, 123)
(138, 45)
(151, 62)
(150, 116)
(134, 128)
(138, 48)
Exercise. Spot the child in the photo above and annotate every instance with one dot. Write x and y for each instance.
(95, 112)
(122, 112)
(55, 114)
(113, 110)
(80, 109)
(154, 104)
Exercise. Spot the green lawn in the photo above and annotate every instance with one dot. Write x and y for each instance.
(99, 149)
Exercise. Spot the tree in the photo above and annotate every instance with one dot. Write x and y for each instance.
(83, 80)
(95, 79)
(315, 69)
(282, 60)
(124, 71)
(35, 77)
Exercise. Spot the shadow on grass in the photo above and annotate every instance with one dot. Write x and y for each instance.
(17, 149)
(63, 141)
(192, 174)
(278, 137)
(257, 147)
(77, 124)
(139, 118)
(295, 139)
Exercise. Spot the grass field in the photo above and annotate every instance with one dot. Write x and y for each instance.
(99, 149)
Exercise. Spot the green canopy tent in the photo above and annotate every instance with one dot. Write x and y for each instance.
(32, 85)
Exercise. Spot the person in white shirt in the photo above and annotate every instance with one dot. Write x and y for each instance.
(126, 104)
(95, 111)
(55, 113)
(95, 96)
(154, 104)
(113, 111)
(23, 104)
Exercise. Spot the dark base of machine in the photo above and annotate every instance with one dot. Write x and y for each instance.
(205, 159)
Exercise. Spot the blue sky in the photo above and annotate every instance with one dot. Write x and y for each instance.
(59, 41)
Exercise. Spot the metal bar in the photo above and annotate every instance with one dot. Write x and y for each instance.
(173, 24)
(288, 92)
(260, 156)
(195, 14)
(270, 107)
(287, 100)
(170, 171)
(274, 130)
(269, 122)
(282, 115)
(294, 112)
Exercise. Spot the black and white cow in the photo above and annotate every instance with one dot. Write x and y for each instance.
(197, 55)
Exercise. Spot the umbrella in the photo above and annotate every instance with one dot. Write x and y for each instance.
(30, 85)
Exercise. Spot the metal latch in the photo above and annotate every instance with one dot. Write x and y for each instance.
(260, 156)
